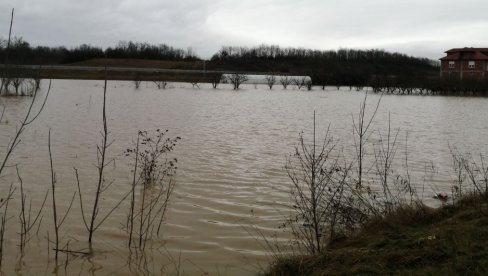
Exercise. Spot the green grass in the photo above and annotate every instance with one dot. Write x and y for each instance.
(452, 240)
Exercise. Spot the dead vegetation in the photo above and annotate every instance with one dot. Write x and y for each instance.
(345, 223)
(411, 240)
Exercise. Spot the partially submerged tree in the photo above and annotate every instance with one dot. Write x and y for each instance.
(309, 85)
(137, 82)
(237, 79)
(16, 83)
(285, 81)
(270, 81)
(215, 79)
(299, 82)
(159, 84)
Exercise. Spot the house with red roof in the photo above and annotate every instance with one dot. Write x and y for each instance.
(465, 63)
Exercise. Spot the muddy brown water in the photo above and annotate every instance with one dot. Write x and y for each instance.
(231, 182)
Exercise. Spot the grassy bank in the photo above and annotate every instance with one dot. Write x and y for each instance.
(412, 240)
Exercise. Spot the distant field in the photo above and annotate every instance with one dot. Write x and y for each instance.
(129, 69)
(142, 63)
(120, 69)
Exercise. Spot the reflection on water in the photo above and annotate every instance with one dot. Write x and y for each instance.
(231, 158)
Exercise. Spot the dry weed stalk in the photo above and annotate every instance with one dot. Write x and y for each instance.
(384, 155)
(3, 219)
(471, 175)
(95, 221)
(311, 171)
(154, 171)
(329, 198)
(361, 128)
(28, 119)
(27, 221)
(3, 113)
(58, 222)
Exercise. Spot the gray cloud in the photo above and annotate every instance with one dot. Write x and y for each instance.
(422, 28)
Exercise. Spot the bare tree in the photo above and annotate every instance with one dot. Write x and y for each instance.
(137, 82)
(215, 79)
(5, 82)
(285, 81)
(159, 84)
(37, 78)
(270, 81)
(237, 79)
(16, 83)
(299, 82)
(309, 85)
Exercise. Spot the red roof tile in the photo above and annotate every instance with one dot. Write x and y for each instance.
(467, 49)
(479, 56)
(451, 56)
(466, 54)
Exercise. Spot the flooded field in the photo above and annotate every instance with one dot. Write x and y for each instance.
(231, 183)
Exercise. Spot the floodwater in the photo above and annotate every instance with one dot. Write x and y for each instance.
(231, 183)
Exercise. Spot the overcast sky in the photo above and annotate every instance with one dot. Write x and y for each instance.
(416, 27)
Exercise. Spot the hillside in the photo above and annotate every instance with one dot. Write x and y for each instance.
(351, 67)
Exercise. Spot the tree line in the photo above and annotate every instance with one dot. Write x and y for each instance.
(21, 52)
(266, 58)
(340, 67)
(383, 71)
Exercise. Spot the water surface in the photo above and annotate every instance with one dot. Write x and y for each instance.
(231, 176)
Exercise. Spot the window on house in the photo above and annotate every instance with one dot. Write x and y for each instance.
(452, 64)
(471, 64)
